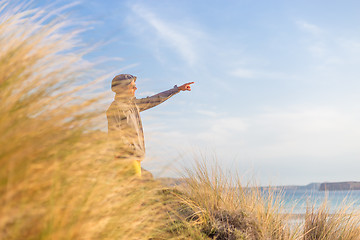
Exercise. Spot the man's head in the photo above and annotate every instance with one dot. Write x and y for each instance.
(124, 84)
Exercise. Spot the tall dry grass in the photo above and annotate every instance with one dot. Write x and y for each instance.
(214, 205)
(320, 224)
(58, 179)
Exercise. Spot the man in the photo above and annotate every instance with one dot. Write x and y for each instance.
(124, 122)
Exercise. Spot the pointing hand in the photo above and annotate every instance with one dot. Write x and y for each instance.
(186, 86)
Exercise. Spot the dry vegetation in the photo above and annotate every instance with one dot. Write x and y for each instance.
(58, 179)
(320, 224)
(220, 207)
(213, 205)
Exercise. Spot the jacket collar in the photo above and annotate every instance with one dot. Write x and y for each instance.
(122, 98)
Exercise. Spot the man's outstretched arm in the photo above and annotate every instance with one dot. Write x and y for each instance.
(149, 102)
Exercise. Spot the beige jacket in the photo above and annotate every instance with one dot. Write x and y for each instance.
(124, 123)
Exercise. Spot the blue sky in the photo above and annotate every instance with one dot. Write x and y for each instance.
(276, 92)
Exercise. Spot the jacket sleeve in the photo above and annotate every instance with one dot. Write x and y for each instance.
(149, 102)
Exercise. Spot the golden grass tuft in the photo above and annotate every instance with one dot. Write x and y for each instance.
(320, 224)
(58, 179)
(215, 205)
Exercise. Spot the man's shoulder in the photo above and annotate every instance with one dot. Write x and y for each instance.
(118, 106)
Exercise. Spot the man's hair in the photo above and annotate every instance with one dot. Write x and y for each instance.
(122, 80)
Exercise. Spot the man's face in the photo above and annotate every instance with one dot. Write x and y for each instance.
(132, 88)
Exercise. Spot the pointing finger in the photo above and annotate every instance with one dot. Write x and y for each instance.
(189, 83)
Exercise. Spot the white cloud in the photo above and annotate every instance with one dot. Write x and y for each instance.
(297, 136)
(222, 130)
(318, 50)
(229, 124)
(179, 39)
(207, 113)
(260, 74)
(309, 27)
(349, 44)
(146, 94)
(320, 43)
(242, 73)
(315, 133)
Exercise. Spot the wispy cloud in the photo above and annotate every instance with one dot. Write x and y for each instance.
(318, 49)
(146, 94)
(318, 132)
(171, 34)
(318, 42)
(309, 27)
(318, 135)
(242, 73)
(222, 129)
(328, 47)
(260, 74)
(207, 113)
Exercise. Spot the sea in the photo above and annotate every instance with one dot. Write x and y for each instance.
(299, 201)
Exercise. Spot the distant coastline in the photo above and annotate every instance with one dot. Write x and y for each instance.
(339, 186)
(325, 186)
